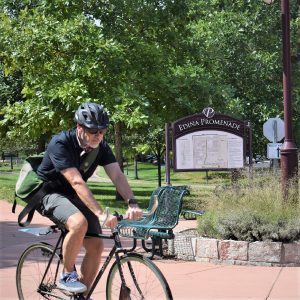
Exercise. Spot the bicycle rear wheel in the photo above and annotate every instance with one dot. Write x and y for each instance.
(143, 280)
(31, 269)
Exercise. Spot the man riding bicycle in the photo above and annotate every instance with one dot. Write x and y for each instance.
(72, 203)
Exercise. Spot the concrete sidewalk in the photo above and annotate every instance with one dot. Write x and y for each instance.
(188, 280)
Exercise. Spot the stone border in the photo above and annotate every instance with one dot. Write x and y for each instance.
(188, 246)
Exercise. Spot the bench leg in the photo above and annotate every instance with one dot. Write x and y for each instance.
(153, 248)
(161, 254)
(145, 247)
(159, 251)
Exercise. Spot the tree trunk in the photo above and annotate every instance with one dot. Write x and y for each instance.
(118, 144)
(118, 150)
(159, 168)
(159, 152)
(135, 168)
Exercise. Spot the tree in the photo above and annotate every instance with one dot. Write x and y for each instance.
(67, 56)
(238, 45)
(65, 60)
(146, 60)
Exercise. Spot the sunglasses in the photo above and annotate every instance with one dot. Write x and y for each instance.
(95, 131)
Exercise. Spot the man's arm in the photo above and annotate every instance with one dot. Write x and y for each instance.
(119, 180)
(74, 177)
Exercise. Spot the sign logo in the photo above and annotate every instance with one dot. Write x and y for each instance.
(208, 112)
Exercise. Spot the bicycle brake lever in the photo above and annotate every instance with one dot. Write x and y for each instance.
(119, 217)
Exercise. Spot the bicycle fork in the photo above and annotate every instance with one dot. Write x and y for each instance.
(125, 290)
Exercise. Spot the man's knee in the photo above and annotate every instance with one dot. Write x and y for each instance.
(77, 223)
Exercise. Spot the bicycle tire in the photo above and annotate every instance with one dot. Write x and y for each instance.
(149, 279)
(30, 270)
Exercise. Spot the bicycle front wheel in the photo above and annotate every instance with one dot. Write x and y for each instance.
(142, 277)
(31, 268)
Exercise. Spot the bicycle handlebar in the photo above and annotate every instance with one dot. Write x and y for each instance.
(122, 217)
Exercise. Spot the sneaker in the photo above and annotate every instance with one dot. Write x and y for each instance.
(70, 283)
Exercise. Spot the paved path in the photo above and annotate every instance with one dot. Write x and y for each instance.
(188, 280)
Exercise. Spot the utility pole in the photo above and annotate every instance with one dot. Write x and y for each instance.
(289, 151)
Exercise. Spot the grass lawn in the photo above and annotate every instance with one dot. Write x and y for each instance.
(7, 185)
(104, 191)
(148, 181)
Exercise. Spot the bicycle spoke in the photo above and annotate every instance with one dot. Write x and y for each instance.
(142, 277)
(30, 271)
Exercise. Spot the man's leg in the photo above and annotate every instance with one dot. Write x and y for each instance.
(92, 259)
(64, 213)
(77, 226)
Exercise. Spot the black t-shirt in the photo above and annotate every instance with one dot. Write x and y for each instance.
(64, 152)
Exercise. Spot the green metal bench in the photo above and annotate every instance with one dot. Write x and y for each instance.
(159, 226)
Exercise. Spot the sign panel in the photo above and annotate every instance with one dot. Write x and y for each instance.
(209, 149)
(273, 129)
(208, 141)
(207, 121)
(273, 150)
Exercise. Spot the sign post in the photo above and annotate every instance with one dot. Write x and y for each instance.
(273, 130)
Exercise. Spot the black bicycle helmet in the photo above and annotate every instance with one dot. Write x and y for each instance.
(92, 115)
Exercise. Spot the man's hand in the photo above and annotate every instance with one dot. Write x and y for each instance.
(111, 221)
(133, 212)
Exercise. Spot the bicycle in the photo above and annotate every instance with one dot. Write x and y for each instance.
(131, 276)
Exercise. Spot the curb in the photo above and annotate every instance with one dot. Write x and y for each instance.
(187, 245)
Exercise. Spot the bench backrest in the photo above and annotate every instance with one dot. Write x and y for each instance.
(165, 217)
(157, 192)
(169, 206)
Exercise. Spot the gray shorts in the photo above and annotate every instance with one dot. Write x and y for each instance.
(58, 208)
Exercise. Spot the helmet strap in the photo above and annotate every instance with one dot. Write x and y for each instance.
(79, 136)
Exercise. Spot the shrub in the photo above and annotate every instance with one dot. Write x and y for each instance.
(253, 213)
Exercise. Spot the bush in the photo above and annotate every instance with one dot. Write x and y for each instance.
(255, 213)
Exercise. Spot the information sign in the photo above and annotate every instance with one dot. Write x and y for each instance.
(209, 149)
(273, 150)
(209, 141)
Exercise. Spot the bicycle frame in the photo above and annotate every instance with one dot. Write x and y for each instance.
(58, 246)
(116, 249)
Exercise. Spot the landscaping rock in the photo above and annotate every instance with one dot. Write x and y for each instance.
(207, 248)
(188, 246)
(233, 250)
(265, 252)
(291, 253)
